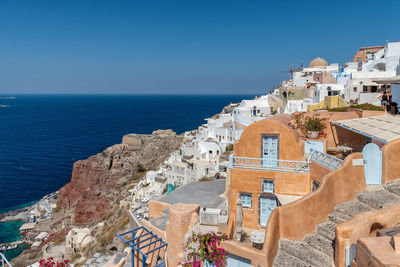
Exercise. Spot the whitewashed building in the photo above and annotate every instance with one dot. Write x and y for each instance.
(361, 87)
(327, 89)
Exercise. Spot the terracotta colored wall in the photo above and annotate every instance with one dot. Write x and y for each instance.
(338, 186)
(301, 217)
(318, 172)
(256, 256)
(390, 161)
(250, 181)
(250, 143)
(181, 219)
(339, 136)
(362, 53)
(156, 208)
(363, 225)
(376, 252)
(335, 135)
(371, 113)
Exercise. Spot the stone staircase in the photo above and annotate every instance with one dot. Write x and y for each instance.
(317, 249)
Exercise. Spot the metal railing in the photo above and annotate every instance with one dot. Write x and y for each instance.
(269, 165)
(325, 160)
(4, 262)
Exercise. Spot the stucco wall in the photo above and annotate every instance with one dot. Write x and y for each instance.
(302, 216)
(390, 161)
(182, 218)
(317, 172)
(156, 208)
(250, 181)
(363, 225)
(250, 143)
(376, 252)
(295, 220)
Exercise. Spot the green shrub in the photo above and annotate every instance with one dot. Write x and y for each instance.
(229, 147)
(140, 168)
(365, 106)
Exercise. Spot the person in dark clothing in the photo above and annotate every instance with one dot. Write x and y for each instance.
(393, 108)
(384, 101)
(389, 102)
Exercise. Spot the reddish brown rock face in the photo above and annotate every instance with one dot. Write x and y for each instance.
(95, 185)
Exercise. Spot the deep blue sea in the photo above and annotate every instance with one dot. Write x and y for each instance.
(41, 136)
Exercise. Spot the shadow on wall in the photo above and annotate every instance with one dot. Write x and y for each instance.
(390, 159)
(364, 224)
(338, 186)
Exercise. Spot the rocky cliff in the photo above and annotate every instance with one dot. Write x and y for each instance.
(98, 183)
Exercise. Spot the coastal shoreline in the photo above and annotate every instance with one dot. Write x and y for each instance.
(23, 214)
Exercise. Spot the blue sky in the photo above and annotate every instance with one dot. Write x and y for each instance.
(178, 47)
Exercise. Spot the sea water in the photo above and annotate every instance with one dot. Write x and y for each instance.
(41, 136)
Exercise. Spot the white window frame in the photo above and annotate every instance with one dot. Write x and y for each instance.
(245, 203)
(264, 181)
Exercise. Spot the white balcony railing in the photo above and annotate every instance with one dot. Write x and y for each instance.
(269, 165)
(325, 160)
(4, 262)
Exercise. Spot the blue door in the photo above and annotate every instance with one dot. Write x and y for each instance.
(236, 261)
(267, 205)
(372, 163)
(270, 150)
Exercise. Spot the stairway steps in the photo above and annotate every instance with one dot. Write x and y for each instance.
(378, 199)
(317, 249)
(338, 217)
(353, 207)
(284, 259)
(393, 187)
(306, 253)
(320, 243)
(327, 229)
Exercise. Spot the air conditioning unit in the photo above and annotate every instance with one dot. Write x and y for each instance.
(209, 216)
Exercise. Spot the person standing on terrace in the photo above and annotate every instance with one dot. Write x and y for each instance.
(384, 100)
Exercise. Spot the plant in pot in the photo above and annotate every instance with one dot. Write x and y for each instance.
(311, 126)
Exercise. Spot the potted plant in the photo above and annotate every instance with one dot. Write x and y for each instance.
(311, 126)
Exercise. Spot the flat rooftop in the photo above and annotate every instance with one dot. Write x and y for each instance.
(205, 194)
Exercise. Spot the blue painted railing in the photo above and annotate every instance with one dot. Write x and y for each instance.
(325, 160)
(3, 261)
(142, 238)
(269, 165)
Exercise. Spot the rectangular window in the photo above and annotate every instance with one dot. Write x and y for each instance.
(268, 186)
(246, 200)
(354, 89)
(365, 89)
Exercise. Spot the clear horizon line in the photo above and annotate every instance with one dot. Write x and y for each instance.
(147, 94)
